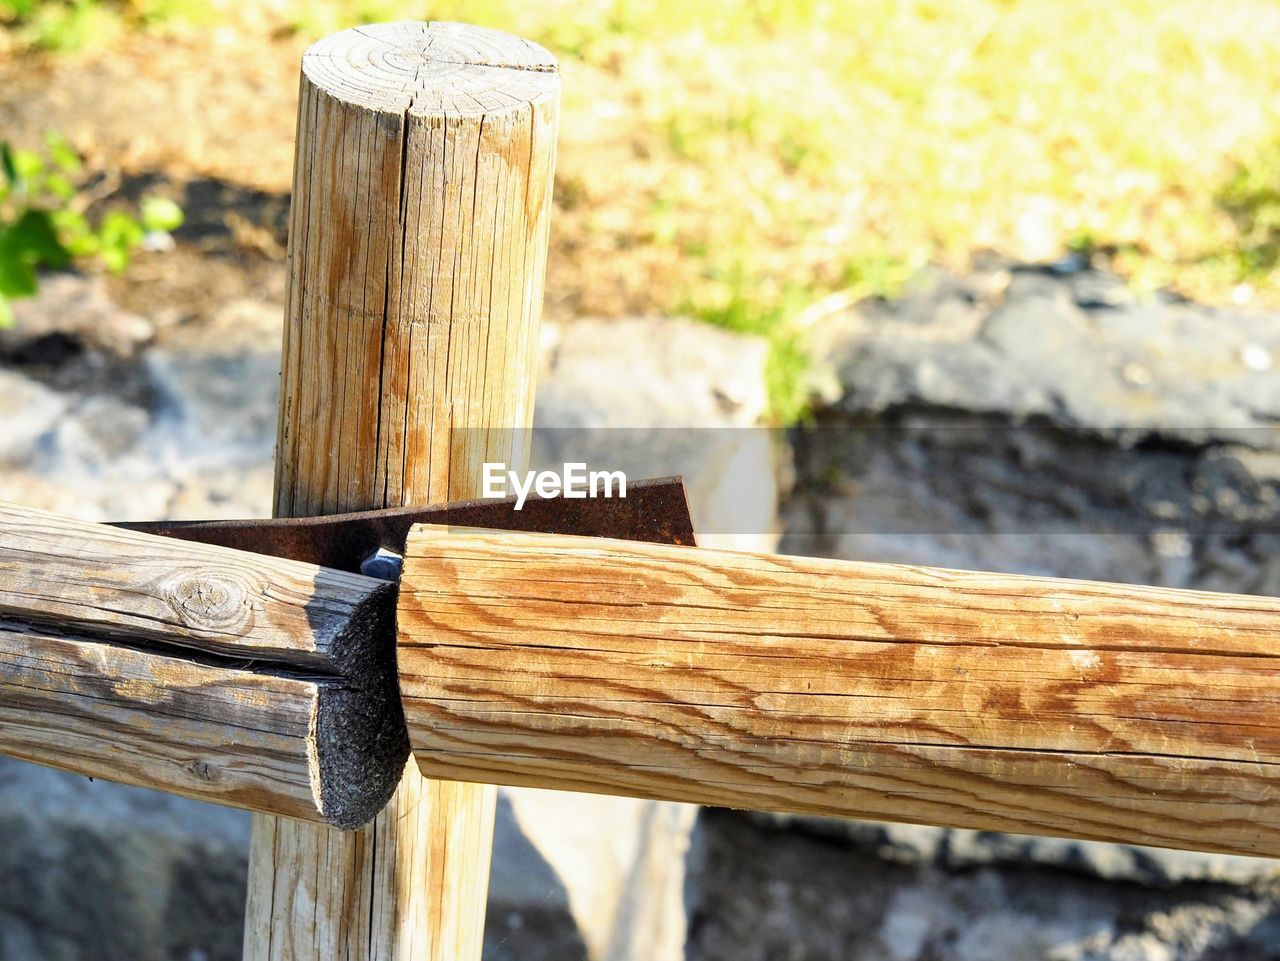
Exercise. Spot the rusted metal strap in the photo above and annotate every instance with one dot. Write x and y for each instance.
(654, 510)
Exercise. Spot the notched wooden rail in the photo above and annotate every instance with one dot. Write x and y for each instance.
(989, 701)
(222, 675)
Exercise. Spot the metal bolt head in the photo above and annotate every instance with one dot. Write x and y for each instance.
(383, 564)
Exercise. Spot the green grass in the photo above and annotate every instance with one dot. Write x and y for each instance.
(1252, 198)
(65, 26)
(740, 159)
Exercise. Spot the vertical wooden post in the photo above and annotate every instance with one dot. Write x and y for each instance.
(417, 248)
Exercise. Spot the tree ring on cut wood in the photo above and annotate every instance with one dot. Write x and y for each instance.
(414, 68)
(418, 236)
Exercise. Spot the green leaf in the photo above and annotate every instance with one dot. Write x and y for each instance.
(28, 243)
(74, 232)
(118, 229)
(17, 10)
(62, 153)
(118, 235)
(116, 258)
(68, 220)
(17, 276)
(6, 312)
(84, 245)
(59, 186)
(160, 213)
(33, 239)
(27, 164)
(7, 165)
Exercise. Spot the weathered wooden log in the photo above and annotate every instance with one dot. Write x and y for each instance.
(225, 676)
(417, 248)
(1023, 704)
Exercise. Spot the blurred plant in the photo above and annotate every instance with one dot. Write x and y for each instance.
(65, 25)
(1252, 198)
(43, 221)
(56, 25)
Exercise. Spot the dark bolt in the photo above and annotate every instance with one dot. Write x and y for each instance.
(383, 564)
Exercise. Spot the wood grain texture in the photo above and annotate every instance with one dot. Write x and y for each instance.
(198, 670)
(420, 218)
(989, 701)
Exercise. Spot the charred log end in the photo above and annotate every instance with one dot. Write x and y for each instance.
(361, 742)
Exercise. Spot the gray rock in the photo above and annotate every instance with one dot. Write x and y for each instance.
(649, 372)
(959, 850)
(217, 386)
(185, 429)
(613, 868)
(660, 397)
(92, 439)
(76, 310)
(768, 893)
(95, 870)
(28, 412)
(1051, 347)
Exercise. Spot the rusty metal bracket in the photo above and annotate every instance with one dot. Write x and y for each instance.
(654, 510)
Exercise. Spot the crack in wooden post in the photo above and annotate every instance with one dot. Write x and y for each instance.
(421, 210)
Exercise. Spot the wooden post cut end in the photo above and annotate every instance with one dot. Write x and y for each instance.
(411, 67)
(361, 741)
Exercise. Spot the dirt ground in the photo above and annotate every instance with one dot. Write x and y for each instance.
(208, 121)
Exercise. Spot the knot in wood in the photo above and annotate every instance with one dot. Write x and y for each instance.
(203, 770)
(211, 600)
